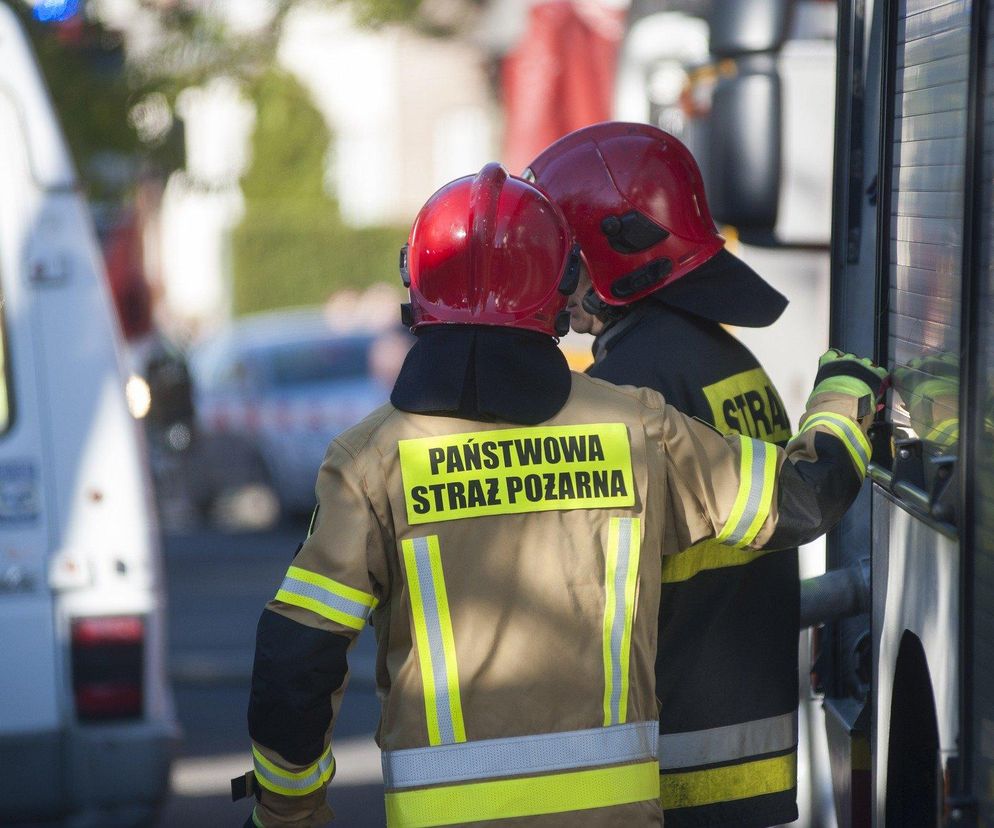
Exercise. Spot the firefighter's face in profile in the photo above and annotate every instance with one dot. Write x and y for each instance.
(581, 320)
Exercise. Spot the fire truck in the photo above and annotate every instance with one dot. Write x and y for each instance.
(882, 111)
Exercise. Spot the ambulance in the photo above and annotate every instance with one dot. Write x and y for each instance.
(86, 717)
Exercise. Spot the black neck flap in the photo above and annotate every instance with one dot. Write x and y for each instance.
(725, 289)
(482, 372)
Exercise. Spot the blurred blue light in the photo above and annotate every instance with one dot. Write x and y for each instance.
(55, 11)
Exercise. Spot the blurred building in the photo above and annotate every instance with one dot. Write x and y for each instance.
(407, 113)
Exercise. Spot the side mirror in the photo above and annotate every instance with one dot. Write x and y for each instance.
(743, 26)
(743, 154)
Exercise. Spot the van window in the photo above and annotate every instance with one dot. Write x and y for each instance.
(926, 220)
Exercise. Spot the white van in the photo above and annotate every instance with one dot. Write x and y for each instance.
(86, 716)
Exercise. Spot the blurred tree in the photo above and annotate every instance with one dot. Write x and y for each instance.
(291, 247)
(83, 65)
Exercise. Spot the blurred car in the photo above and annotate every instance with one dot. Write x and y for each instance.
(271, 392)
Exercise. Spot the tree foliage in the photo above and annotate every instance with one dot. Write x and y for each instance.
(292, 247)
(83, 66)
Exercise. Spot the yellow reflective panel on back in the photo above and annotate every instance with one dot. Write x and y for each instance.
(749, 404)
(507, 471)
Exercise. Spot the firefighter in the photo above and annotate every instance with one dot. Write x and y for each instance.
(500, 523)
(660, 284)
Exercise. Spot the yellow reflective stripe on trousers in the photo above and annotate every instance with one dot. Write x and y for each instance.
(847, 431)
(436, 644)
(293, 783)
(757, 474)
(326, 597)
(503, 799)
(727, 784)
(620, 577)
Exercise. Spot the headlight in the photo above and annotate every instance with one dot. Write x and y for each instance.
(139, 396)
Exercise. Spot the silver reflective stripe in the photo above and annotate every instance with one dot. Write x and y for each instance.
(727, 744)
(293, 780)
(429, 599)
(757, 480)
(520, 755)
(620, 617)
(847, 427)
(329, 599)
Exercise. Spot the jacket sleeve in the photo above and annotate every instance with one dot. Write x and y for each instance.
(336, 580)
(750, 494)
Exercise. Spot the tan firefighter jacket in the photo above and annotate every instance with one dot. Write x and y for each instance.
(512, 577)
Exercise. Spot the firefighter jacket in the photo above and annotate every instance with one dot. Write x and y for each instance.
(511, 575)
(727, 619)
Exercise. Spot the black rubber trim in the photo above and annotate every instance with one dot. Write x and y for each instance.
(813, 496)
(296, 670)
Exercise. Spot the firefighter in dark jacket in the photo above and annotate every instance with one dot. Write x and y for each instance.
(658, 285)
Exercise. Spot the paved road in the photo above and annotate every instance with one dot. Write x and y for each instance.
(217, 584)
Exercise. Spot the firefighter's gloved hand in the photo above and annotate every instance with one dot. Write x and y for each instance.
(840, 373)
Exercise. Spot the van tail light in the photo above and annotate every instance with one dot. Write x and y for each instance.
(107, 667)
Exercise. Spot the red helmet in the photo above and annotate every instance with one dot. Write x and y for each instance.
(635, 199)
(490, 249)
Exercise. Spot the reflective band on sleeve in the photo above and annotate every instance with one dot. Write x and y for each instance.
(293, 783)
(331, 599)
(847, 431)
(729, 783)
(728, 744)
(520, 755)
(436, 643)
(757, 475)
(620, 578)
(506, 798)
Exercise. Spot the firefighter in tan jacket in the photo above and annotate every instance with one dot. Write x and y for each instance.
(500, 524)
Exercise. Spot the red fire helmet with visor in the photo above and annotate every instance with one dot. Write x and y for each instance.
(490, 249)
(635, 199)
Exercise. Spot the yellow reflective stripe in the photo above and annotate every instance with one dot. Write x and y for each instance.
(435, 640)
(729, 783)
(448, 641)
(769, 481)
(626, 638)
(293, 783)
(705, 556)
(757, 478)
(610, 601)
(742, 496)
(256, 821)
(621, 564)
(847, 431)
(507, 798)
(326, 597)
